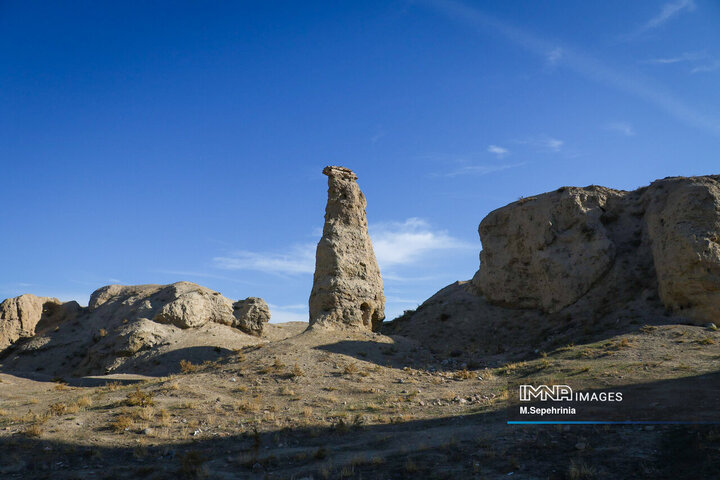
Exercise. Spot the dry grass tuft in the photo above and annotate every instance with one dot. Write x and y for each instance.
(579, 470)
(121, 423)
(297, 371)
(34, 430)
(188, 367)
(351, 368)
(84, 402)
(139, 398)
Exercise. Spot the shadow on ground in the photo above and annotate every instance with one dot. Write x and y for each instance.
(479, 445)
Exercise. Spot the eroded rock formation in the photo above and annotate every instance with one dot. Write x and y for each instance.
(27, 315)
(563, 265)
(251, 315)
(134, 328)
(347, 286)
(548, 252)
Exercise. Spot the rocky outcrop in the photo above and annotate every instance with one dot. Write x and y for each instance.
(553, 250)
(140, 328)
(545, 252)
(347, 287)
(583, 261)
(27, 315)
(251, 315)
(683, 224)
(182, 304)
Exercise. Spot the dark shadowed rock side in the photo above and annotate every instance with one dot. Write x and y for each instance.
(347, 287)
(591, 257)
(138, 328)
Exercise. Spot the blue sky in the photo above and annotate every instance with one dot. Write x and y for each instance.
(152, 142)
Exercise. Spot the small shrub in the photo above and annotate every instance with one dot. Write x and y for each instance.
(83, 402)
(464, 374)
(350, 369)
(121, 423)
(163, 417)
(59, 408)
(139, 398)
(579, 470)
(297, 371)
(188, 367)
(34, 430)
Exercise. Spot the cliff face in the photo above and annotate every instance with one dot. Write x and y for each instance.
(27, 315)
(548, 252)
(347, 287)
(584, 261)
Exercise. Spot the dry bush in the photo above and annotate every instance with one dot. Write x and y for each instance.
(112, 386)
(163, 417)
(248, 406)
(276, 367)
(297, 371)
(121, 423)
(463, 374)
(350, 369)
(84, 401)
(188, 367)
(34, 430)
(139, 398)
(59, 408)
(579, 470)
(145, 413)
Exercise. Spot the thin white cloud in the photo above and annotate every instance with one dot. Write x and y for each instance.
(684, 57)
(481, 169)
(552, 143)
(395, 243)
(583, 64)
(709, 67)
(404, 243)
(300, 261)
(500, 152)
(554, 56)
(623, 128)
(667, 12)
(288, 313)
(543, 142)
(700, 62)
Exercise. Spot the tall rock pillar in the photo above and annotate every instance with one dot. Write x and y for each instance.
(347, 288)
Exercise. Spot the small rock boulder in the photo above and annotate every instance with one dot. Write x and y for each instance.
(251, 315)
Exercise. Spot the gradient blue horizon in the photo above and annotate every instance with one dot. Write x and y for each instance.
(153, 142)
